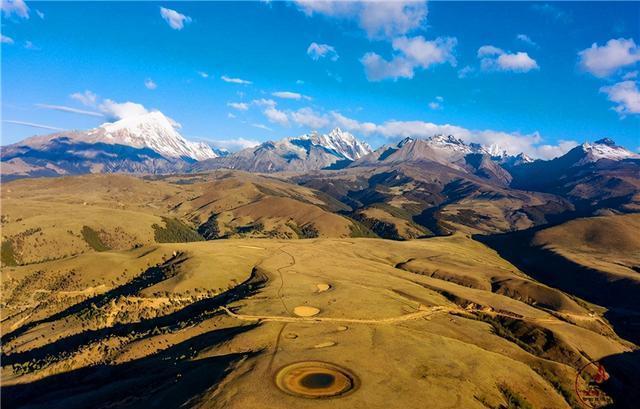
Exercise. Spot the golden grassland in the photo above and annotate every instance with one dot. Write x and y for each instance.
(452, 339)
(96, 312)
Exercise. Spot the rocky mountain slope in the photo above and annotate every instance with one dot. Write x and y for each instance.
(592, 176)
(300, 153)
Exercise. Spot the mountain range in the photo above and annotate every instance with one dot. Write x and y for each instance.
(301, 153)
(407, 189)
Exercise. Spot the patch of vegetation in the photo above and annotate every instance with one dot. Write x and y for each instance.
(209, 229)
(566, 392)
(7, 255)
(307, 231)
(93, 239)
(310, 231)
(360, 230)
(175, 232)
(467, 217)
(504, 331)
(514, 400)
(249, 228)
(269, 192)
(331, 204)
(381, 228)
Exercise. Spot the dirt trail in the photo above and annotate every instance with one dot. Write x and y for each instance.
(422, 313)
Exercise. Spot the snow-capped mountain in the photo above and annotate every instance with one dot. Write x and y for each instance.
(443, 149)
(604, 148)
(341, 142)
(591, 175)
(154, 131)
(147, 143)
(306, 152)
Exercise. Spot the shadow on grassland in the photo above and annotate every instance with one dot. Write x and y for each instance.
(620, 296)
(167, 379)
(148, 278)
(190, 315)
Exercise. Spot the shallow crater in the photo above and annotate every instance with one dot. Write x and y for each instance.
(315, 380)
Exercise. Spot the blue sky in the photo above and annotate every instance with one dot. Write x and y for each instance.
(534, 77)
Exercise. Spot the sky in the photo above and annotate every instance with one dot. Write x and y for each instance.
(535, 77)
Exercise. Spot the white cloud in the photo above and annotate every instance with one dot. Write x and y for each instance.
(276, 116)
(630, 75)
(290, 95)
(17, 7)
(240, 106)
(72, 110)
(379, 19)
(377, 68)
(317, 51)
(30, 46)
(487, 50)
(231, 115)
(518, 62)
(496, 59)
(264, 102)
(551, 11)
(6, 40)
(40, 14)
(175, 20)
(392, 18)
(262, 126)
(115, 111)
(308, 117)
(526, 39)
(86, 98)
(465, 71)
(354, 125)
(233, 144)
(425, 53)
(150, 84)
(299, 82)
(203, 74)
(626, 95)
(413, 53)
(605, 60)
(437, 104)
(32, 125)
(235, 80)
(270, 111)
(553, 151)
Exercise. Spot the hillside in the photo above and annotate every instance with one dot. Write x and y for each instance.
(595, 258)
(152, 323)
(52, 218)
(434, 199)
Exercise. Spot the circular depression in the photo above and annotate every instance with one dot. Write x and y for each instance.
(315, 380)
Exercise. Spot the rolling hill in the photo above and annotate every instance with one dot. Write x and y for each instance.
(144, 326)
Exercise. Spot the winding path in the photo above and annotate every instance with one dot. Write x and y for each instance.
(422, 313)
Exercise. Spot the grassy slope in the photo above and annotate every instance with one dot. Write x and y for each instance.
(448, 351)
(45, 219)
